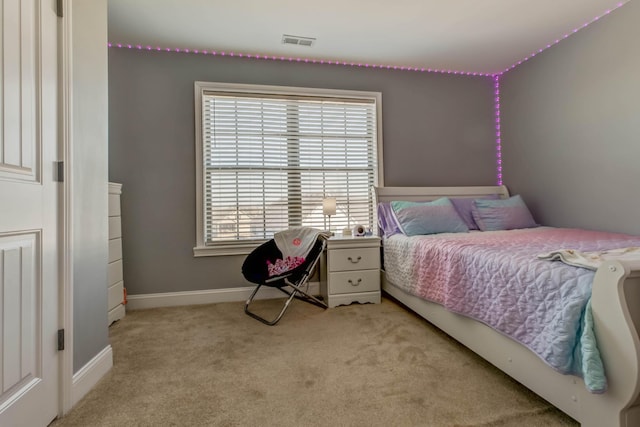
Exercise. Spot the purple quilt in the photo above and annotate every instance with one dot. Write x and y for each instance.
(496, 278)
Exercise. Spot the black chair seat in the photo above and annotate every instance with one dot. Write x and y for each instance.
(255, 270)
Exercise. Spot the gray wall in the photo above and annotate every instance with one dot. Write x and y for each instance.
(437, 131)
(571, 127)
(89, 199)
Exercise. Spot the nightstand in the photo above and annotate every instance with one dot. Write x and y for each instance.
(350, 271)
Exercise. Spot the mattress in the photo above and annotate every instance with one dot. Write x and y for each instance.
(496, 278)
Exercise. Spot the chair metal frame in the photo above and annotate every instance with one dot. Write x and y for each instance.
(297, 291)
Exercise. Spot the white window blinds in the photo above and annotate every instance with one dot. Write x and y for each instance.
(269, 160)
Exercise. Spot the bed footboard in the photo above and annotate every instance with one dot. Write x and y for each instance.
(615, 304)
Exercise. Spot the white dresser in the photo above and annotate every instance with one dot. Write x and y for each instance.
(115, 299)
(350, 272)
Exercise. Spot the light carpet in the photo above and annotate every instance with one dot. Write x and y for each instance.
(357, 365)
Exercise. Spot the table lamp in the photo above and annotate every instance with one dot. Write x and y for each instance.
(329, 208)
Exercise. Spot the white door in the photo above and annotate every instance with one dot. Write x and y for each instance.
(28, 214)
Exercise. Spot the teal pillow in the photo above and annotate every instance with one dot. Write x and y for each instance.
(503, 214)
(438, 216)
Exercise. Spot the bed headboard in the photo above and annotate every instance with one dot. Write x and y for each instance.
(424, 194)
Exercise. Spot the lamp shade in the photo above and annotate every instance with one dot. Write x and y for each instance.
(329, 206)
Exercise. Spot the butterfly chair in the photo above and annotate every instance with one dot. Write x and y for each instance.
(255, 269)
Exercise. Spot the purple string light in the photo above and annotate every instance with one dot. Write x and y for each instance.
(496, 87)
(295, 59)
(351, 64)
(575, 30)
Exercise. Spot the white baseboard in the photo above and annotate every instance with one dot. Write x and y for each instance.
(89, 375)
(209, 296)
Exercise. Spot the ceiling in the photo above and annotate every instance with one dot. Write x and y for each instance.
(487, 36)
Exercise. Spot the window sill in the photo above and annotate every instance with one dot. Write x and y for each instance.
(226, 249)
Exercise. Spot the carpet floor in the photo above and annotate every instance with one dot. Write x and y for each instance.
(357, 365)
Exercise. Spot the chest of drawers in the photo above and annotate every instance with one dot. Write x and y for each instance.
(115, 294)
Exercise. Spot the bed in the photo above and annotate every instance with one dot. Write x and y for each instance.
(615, 310)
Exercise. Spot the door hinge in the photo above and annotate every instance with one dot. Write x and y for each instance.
(59, 8)
(59, 170)
(60, 339)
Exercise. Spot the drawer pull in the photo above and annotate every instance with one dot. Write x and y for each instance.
(354, 284)
(356, 261)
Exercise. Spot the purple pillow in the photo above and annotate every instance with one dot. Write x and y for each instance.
(387, 222)
(464, 206)
(503, 214)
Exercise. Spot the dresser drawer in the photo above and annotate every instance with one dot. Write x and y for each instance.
(115, 249)
(115, 227)
(354, 259)
(115, 295)
(344, 282)
(114, 205)
(114, 272)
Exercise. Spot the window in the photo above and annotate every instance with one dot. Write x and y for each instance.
(267, 156)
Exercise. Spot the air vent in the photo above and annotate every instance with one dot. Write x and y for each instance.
(297, 40)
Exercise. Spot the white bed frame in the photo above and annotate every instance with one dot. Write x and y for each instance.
(616, 311)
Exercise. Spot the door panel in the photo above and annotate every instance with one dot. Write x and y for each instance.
(29, 285)
(19, 313)
(17, 144)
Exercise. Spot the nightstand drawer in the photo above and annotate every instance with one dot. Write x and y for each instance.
(354, 259)
(354, 281)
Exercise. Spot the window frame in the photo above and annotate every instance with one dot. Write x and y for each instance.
(200, 87)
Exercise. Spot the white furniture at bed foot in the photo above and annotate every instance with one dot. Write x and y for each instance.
(350, 272)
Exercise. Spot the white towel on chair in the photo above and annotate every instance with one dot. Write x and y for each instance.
(298, 241)
(591, 260)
